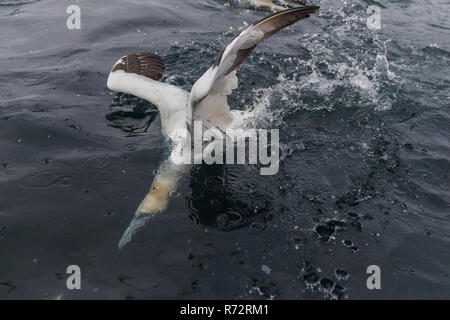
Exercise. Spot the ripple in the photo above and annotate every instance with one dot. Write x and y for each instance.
(130, 147)
(215, 183)
(32, 78)
(257, 193)
(191, 206)
(9, 171)
(65, 182)
(399, 227)
(122, 195)
(16, 3)
(104, 177)
(99, 162)
(235, 219)
(110, 212)
(47, 161)
(230, 220)
(45, 179)
(257, 226)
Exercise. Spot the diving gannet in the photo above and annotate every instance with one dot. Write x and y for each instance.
(138, 74)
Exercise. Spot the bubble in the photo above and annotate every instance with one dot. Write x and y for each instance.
(324, 233)
(338, 291)
(341, 275)
(311, 278)
(327, 284)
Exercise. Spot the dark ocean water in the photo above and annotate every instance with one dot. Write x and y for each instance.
(364, 178)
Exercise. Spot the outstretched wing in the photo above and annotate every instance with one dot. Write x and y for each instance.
(239, 49)
(145, 64)
(138, 74)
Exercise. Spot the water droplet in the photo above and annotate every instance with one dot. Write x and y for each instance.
(341, 275)
(266, 269)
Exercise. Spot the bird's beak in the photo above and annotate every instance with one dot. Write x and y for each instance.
(135, 224)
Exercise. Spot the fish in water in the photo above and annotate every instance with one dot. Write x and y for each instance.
(269, 4)
(139, 73)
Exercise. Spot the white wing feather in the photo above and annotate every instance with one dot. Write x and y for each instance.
(213, 86)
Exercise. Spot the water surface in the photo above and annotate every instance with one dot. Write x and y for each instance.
(363, 117)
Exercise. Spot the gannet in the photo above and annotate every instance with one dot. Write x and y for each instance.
(138, 74)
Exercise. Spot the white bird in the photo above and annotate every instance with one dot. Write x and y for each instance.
(138, 74)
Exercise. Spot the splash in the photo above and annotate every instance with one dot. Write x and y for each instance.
(359, 75)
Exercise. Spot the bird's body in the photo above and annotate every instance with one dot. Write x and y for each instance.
(138, 74)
